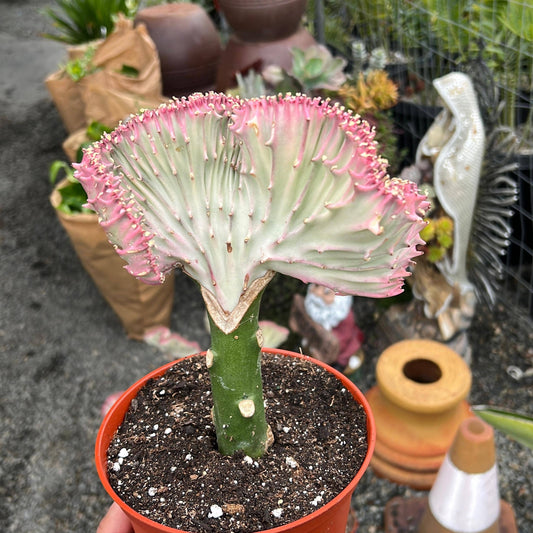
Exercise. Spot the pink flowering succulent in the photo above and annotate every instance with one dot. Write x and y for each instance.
(231, 191)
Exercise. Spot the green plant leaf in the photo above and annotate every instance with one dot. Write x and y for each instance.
(128, 70)
(516, 425)
(314, 67)
(435, 253)
(96, 129)
(445, 240)
(56, 167)
(73, 198)
(81, 21)
(518, 18)
(428, 233)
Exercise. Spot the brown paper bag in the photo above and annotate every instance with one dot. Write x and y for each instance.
(66, 96)
(110, 106)
(72, 143)
(107, 95)
(139, 306)
(130, 47)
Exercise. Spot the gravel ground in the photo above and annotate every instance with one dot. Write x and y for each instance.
(62, 350)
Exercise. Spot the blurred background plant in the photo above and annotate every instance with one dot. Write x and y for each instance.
(312, 70)
(79, 67)
(440, 36)
(73, 196)
(515, 425)
(438, 235)
(82, 21)
(370, 93)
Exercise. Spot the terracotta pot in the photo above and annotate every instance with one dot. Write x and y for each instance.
(263, 20)
(239, 56)
(188, 45)
(139, 306)
(418, 405)
(332, 517)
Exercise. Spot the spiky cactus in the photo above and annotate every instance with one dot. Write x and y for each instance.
(231, 191)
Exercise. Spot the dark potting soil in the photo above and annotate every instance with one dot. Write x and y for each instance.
(164, 464)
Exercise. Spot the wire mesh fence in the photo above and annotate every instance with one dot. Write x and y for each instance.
(426, 39)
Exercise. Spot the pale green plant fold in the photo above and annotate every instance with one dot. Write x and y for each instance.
(231, 191)
(516, 425)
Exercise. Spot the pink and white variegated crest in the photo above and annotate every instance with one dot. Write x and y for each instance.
(232, 190)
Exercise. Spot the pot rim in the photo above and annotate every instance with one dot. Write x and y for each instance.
(115, 416)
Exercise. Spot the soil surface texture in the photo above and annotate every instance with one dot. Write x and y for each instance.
(164, 461)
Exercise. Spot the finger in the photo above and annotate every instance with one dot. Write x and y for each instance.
(115, 521)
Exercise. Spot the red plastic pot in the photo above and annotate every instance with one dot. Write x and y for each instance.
(331, 518)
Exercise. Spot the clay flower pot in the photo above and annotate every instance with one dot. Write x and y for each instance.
(263, 20)
(332, 517)
(240, 55)
(188, 45)
(418, 404)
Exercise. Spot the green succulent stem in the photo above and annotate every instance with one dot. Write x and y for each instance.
(236, 385)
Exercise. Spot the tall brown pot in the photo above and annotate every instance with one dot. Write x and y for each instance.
(188, 45)
(263, 20)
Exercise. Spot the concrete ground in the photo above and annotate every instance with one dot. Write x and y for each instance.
(62, 349)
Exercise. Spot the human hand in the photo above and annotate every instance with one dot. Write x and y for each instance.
(115, 521)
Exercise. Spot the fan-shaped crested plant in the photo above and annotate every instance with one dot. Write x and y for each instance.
(232, 191)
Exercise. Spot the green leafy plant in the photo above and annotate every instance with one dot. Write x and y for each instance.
(249, 85)
(82, 21)
(78, 68)
(499, 32)
(232, 191)
(316, 68)
(371, 20)
(73, 195)
(516, 425)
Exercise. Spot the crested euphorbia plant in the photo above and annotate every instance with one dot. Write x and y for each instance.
(232, 191)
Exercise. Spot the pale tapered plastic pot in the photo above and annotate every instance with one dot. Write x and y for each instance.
(330, 518)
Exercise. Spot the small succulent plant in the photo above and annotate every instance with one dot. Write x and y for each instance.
(312, 69)
(250, 84)
(364, 61)
(438, 235)
(369, 92)
(316, 68)
(232, 191)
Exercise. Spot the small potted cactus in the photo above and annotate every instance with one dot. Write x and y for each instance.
(232, 191)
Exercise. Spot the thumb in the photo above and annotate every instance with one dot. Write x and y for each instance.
(115, 521)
